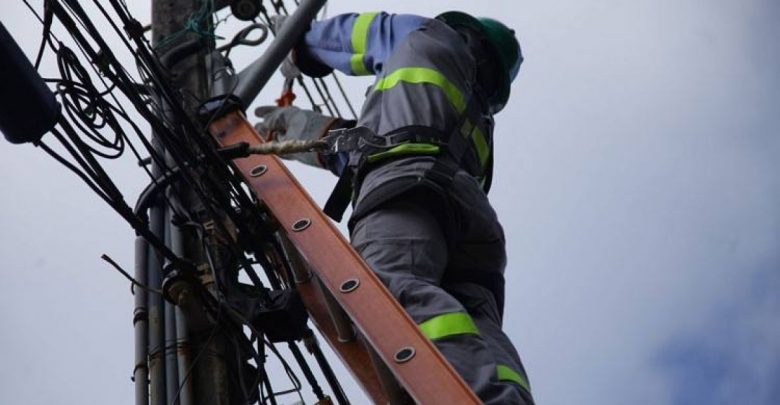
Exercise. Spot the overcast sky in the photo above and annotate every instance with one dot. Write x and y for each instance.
(636, 180)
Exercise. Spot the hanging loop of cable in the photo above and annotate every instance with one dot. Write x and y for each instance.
(242, 38)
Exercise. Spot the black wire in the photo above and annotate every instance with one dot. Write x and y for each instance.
(78, 91)
(90, 113)
(314, 105)
(330, 97)
(117, 107)
(344, 95)
(120, 76)
(84, 177)
(83, 104)
(290, 373)
(116, 200)
(319, 83)
(172, 145)
(265, 379)
(240, 371)
(119, 33)
(224, 306)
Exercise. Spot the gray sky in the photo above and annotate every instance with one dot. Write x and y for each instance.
(636, 180)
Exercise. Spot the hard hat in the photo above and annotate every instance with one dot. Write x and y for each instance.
(504, 46)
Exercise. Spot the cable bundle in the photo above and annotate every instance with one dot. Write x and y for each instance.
(182, 164)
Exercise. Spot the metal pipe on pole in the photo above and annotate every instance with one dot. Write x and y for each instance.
(157, 382)
(141, 326)
(171, 352)
(183, 344)
(254, 77)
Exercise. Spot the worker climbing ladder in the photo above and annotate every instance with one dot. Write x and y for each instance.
(354, 312)
(368, 330)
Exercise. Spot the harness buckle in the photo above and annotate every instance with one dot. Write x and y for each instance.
(352, 139)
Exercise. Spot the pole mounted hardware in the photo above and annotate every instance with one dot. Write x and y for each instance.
(246, 10)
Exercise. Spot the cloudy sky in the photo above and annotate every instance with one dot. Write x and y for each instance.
(636, 180)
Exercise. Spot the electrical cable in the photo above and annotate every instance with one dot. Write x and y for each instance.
(220, 164)
(83, 176)
(90, 113)
(79, 93)
(344, 95)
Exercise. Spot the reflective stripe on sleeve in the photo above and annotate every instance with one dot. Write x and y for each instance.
(505, 373)
(455, 323)
(405, 149)
(359, 41)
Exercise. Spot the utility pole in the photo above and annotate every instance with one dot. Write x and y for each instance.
(187, 351)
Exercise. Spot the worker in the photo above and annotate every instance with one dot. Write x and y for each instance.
(418, 170)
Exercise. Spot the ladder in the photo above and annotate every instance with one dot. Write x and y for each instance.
(364, 325)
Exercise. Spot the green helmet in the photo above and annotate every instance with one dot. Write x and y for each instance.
(504, 46)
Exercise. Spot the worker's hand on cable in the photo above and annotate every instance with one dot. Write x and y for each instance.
(284, 123)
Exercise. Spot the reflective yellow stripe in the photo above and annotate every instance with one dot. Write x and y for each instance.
(507, 374)
(455, 323)
(419, 75)
(404, 150)
(358, 68)
(359, 40)
(483, 150)
(479, 141)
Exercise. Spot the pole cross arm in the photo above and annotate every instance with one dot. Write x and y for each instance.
(383, 324)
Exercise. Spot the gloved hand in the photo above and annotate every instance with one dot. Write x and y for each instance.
(298, 61)
(283, 123)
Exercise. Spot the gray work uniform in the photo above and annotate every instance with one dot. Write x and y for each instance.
(438, 248)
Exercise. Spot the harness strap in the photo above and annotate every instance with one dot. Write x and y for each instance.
(365, 141)
(447, 165)
(341, 195)
(457, 145)
(373, 148)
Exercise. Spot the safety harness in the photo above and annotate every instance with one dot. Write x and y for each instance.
(454, 150)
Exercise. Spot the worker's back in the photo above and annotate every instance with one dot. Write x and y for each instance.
(424, 81)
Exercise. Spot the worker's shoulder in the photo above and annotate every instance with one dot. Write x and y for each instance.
(436, 42)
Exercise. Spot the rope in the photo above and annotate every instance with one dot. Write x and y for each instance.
(288, 147)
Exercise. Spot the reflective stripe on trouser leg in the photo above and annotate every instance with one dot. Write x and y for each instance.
(481, 305)
(441, 326)
(404, 245)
